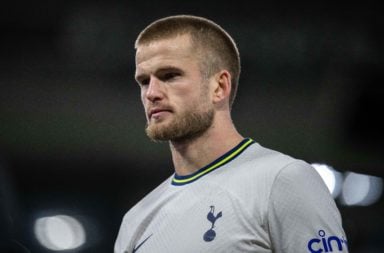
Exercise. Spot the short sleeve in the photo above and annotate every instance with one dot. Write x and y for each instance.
(302, 215)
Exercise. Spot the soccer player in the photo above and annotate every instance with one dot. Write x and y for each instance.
(228, 193)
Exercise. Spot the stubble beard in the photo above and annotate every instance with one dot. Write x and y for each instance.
(191, 124)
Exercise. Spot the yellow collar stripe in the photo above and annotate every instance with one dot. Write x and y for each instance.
(221, 161)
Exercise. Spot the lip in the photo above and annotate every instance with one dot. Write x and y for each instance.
(156, 111)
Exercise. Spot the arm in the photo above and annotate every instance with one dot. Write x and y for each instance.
(302, 214)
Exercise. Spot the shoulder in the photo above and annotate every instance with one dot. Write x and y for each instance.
(300, 177)
(299, 191)
(278, 173)
(252, 176)
(266, 164)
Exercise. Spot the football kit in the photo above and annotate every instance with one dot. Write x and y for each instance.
(251, 199)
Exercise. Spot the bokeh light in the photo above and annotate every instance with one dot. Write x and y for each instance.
(59, 232)
(332, 178)
(361, 189)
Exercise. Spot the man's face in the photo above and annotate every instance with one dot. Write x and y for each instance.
(175, 95)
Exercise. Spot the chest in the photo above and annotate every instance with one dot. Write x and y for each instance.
(197, 219)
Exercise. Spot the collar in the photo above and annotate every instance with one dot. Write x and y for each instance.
(222, 160)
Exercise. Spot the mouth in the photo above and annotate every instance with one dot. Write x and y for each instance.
(157, 112)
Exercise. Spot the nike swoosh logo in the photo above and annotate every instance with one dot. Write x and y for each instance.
(141, 244)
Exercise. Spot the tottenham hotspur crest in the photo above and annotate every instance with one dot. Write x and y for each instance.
(211, 234)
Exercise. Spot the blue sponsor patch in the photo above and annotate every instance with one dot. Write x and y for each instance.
(325, 243)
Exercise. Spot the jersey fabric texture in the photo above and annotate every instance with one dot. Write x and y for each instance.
(251, 199)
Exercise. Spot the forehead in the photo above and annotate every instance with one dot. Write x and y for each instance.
(165, 52)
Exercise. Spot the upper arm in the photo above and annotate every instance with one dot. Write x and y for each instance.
(302, 212)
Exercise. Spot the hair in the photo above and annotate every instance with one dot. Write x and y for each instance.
(217, 49)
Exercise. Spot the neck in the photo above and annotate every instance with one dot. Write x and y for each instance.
(190, 155)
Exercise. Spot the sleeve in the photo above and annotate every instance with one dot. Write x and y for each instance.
(302, 215)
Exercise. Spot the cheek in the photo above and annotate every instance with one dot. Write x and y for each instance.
(195, 103)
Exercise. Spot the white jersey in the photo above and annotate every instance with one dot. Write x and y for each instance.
(251, 199)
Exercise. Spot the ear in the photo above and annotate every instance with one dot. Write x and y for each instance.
(222, 86)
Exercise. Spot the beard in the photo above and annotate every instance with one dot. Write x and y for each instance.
(189, 125)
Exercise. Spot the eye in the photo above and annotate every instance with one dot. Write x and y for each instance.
(169, 76)
(143, 81)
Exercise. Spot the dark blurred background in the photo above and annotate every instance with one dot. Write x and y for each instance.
(72, 144)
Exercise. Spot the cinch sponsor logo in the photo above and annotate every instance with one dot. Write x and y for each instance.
(326, 244)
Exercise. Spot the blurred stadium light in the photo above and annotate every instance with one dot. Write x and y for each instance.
(332, 178)
(60, 232)
(350, 188)
(361, 190)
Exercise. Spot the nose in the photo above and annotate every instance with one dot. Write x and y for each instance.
(154, 91)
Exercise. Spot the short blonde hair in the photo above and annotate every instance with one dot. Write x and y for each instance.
(217, 49)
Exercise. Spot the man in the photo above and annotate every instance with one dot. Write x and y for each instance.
(228, 193)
